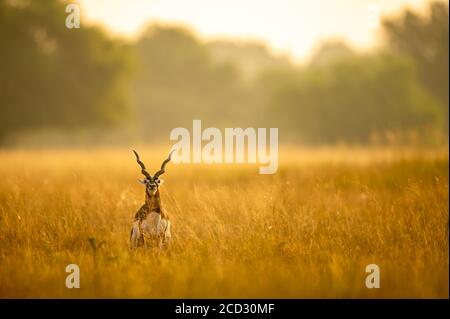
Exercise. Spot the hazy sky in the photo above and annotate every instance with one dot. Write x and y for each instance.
(291, 27)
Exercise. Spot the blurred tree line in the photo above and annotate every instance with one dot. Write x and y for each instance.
(82, 79)
(52, 76)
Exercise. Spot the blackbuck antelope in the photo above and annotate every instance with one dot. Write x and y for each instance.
(151, 226)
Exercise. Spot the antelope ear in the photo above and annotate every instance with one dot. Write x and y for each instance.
(142, 181)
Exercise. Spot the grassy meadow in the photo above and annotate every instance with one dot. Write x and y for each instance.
(308, 231)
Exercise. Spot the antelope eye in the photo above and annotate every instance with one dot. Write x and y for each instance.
(157, 181)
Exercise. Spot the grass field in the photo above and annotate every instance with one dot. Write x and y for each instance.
(307, 231)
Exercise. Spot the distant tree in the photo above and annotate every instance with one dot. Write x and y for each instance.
(350, 99)
(425, 38)
(250, 57)
(178, 81)
(52, 76)
(329, 52)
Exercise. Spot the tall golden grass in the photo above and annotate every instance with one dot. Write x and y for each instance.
(307, 231)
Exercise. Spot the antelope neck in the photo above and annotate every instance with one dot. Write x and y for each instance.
(153, 202)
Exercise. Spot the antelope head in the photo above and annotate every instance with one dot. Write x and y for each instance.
(152, 183)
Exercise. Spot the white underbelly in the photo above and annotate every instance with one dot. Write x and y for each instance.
(153, 230)
(155, 226)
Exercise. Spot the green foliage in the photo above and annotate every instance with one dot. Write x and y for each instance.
(52, 76)
(177, 81)
(424, 38)
(350, 99)
(250, 57)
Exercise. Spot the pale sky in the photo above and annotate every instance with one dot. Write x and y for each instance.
(289, 27)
